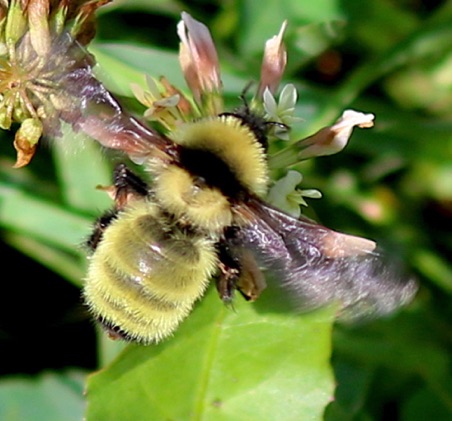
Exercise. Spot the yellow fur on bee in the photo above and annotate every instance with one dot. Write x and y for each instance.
(204, 207)
(234, 143)
(146, 274)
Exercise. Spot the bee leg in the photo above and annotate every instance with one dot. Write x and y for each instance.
(126, 186)
(238, 271)
(251, 281)
(99, 228)
(226, 281)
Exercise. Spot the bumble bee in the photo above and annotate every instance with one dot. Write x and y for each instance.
(202, 217)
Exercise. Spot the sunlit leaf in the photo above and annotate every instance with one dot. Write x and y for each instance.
(222, 364)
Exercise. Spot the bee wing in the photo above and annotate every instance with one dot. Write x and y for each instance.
(84, 103)
(318, 266)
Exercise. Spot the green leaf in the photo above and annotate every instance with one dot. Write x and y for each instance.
(435, 267)
(123, 64)
(222, 364)
(353, 386)
(67, 265)
(77, 174)
(42, 219)
(143, 5)
(49, 397)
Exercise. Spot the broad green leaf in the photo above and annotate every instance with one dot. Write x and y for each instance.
(49, 397)
(222, 364)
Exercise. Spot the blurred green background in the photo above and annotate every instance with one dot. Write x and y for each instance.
(393, 183)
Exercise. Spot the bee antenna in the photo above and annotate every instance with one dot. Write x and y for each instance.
(243, 94)
(248, 111)
(255, 121)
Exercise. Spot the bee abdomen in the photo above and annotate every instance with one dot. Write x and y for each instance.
(144, 277)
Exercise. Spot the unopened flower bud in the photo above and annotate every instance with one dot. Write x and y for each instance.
(26, 141)
(274, 63)
(38, 11)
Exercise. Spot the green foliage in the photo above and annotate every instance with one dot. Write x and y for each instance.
(50, 397)
(392, 183)
(222, 365)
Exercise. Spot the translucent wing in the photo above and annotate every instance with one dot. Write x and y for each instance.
(320, 266)
(74, 95)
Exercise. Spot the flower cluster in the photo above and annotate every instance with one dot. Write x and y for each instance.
(29, 65)
(200, 65)
(46, 78)
(199, 62)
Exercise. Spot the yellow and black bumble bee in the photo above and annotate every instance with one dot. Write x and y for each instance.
(201, 215)
(202, 218)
